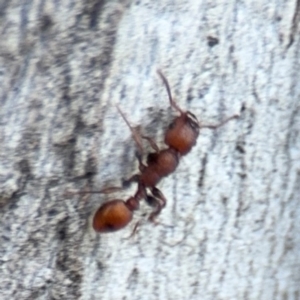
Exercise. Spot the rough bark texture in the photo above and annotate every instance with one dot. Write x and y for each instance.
(231, 226)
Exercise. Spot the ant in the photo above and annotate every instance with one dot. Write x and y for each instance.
(180, 137)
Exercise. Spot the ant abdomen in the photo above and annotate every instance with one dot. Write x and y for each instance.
(112, 216)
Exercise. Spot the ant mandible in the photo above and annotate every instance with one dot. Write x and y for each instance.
(180, 137)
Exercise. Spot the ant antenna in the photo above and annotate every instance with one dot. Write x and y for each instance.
(166, 83)
(137, 138)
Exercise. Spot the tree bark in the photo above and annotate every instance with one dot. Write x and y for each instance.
(230, 229)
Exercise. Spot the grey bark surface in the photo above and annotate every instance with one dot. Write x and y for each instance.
(231, 226)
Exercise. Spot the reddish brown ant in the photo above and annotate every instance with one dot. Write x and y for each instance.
(180, 137)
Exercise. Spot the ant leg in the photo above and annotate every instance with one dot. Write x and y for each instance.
(136, 177)
(127, 182)
(151, 201)
(134, 231)
(160, 203)
(142, 167)
(151, 142)
(159, 195)
(108, 190)
(220, 124)
(141, 193)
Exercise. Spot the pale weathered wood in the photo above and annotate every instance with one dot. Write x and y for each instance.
(231, 226)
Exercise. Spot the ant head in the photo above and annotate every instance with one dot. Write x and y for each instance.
(184, 130)
(112, 216)
(182, 133)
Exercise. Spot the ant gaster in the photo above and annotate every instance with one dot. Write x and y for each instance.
(116, 214)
